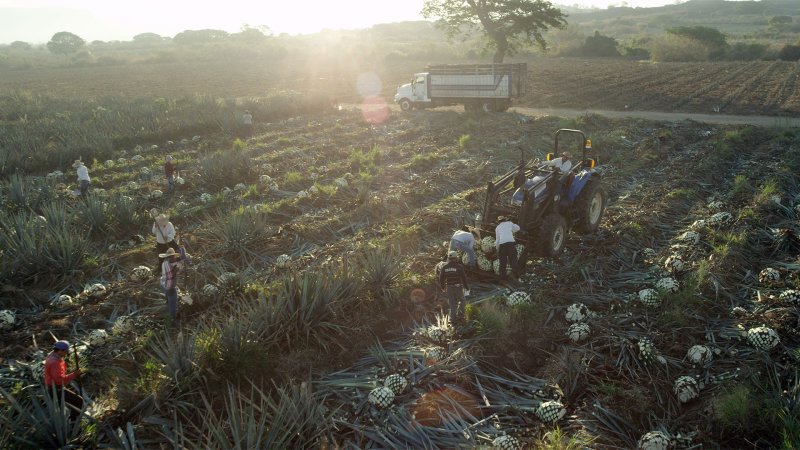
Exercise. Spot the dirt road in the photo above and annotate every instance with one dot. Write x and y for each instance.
(718, 119)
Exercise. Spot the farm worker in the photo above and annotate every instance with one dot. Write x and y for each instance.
(83, 176)
(247, 121)
(453, 281)
(169, 171)
(562, 163)
(464, 239)
(169, 279)
(506, 245)
(165, 238)
(56, 378)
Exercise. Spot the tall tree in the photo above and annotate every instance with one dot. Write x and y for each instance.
(65, 42)
(508, 24)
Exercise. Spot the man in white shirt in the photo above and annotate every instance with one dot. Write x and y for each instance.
(83, 176)
(562, 163)
(247, 122)
(506, 245)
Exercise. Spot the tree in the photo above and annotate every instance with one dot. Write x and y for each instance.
(200, 36)
(20, 45)
(65, 43)
(148, 38)
(253, 35)
(781, 21)
(599, 45)
(508, 24)
(712, 39)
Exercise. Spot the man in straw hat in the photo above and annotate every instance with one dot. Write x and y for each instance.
(83, 176)
(165, 238)
(169, 279)
(56, 378)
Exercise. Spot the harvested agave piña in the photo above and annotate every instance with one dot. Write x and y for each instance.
(667, 284)
(769, 275)
(141, 273)
(518, 298)
(98, 337)
(654, 440)
(396, 382)
(578, 332)
(61, 301)
(381, 396)
(763, 338)
(577, 312)
(282, 260)
(649, 298)
(551, 411)
(720, 219)
(686, 388)
(674, 264)
(488, 245)
(7, 319)
(699, 354)
(689, 237)
(790, 296)
(505, 442)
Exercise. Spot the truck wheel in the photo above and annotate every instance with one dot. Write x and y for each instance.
(405, 104)
(589, 207)
(552, 235)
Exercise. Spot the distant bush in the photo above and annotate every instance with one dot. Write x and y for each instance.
(742, 51)
(712, 40)
(670, 47)
(637, 53)
(599, 45)
(789, 53)
(780, 21)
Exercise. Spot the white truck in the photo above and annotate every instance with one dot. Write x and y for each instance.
(486, 87)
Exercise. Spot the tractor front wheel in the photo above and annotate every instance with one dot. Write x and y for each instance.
(552, 236)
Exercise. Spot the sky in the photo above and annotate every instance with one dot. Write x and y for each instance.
(35, 21)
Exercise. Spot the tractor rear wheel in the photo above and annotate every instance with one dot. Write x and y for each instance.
(589, 207)
(552, 235)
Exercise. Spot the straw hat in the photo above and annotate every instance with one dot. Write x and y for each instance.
(162, 219)
(77, 164)
(170, 252)
(566, 155)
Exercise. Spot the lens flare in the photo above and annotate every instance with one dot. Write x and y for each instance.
(375, 110)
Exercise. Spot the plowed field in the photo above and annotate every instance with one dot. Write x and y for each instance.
(750, 88)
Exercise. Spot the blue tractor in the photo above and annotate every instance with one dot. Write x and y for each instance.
(548, 199)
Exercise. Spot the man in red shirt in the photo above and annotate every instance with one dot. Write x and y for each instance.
(56, 379)
(169, 171)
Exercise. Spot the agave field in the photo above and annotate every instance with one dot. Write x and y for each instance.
(309, 316)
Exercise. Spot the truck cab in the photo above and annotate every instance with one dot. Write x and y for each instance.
(411, 94)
